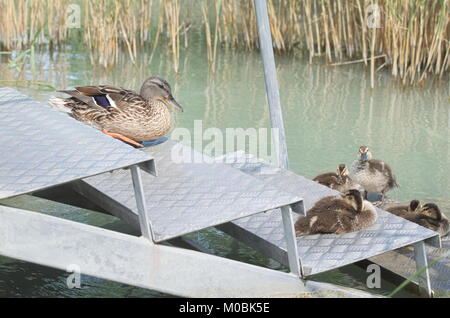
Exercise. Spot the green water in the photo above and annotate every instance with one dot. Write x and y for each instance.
(329, 112)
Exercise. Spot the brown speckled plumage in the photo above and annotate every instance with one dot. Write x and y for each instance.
(373, 175)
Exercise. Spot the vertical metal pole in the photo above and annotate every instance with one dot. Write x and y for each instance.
(276, 118)
(420, 256)
(144, 222)
(291, 241)
(270, 76)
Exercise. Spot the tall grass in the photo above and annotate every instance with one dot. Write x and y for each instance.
(412, 41)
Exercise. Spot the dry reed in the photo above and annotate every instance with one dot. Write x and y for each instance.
(412, 40)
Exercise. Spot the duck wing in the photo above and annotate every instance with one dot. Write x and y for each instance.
(104, 96)
(385, 169)
(328, 179)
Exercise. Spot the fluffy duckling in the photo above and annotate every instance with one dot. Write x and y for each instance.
(431, 217)
(405, 210)
(372, 174)
(339, 180)
(428, 215)
(337, 214)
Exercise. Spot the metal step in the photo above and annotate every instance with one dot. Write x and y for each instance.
(185, 197)
(42, 147)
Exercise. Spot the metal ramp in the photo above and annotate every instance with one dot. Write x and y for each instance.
(318, 253)
(265, 231)
(42, 148)
(185, 197)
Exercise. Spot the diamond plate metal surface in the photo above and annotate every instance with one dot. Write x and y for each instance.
(323, 252)
(187, 197)
(402, 263)
(41, 147)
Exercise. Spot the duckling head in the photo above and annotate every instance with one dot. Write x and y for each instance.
(342, 170)
(157, 88)
(432, 211)
(354, 198)
(413, 206)
(364, 153)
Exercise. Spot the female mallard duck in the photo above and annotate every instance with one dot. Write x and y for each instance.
(429, 215)
(337, 214)
(339, 180)
(405, 210)
(372, 174)
(122, 113)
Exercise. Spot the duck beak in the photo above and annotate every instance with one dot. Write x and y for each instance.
(364, 156)
(174, 103)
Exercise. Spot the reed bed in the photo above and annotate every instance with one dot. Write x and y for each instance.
(410, 39)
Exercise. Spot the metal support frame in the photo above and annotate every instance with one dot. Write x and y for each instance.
(136, 261)
(276, 118)
(144, 221)
(420, 256)
(270, 76)
(291, 242)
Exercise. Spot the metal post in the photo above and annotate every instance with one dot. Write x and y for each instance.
(276, 118)
(144, 222)
(420, 256)
(270, 76)
(291, 241)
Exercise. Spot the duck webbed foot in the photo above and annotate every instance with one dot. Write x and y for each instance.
(123, 138)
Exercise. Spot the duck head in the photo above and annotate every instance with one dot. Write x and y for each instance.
(157, 88)
(414, 206)
(431, 211)
(342, 170)
(354, 198)
(364, 153)
(342, 173)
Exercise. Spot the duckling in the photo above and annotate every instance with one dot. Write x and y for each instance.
(405, 210)
(121, 113)
(372, 174)
(339, 180)
(431, 217)
(337, 214)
